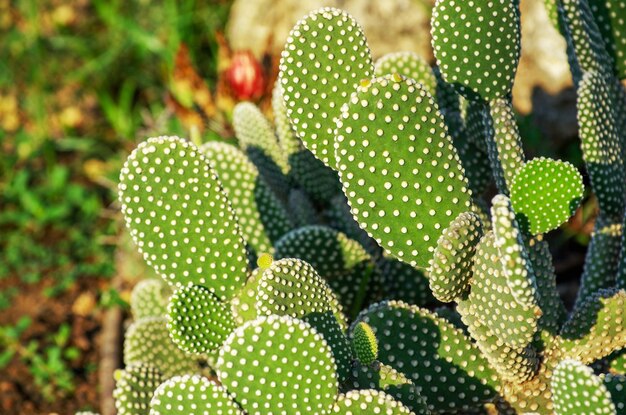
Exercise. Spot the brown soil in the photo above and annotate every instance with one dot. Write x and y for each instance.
(77, 308)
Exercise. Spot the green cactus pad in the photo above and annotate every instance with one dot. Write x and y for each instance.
(386, 379)
(149, 298)
(404, 282)
(261, 216)
(364, 343)
(601, 144)
(609, 15)
(287, 138)
(341, 261)
(339, 217)
(545, 193)
(577, 391)
(258, 140)
(515, 364)
(180, 218)
(134, 387)
(148, 341)
(616, 385)
(243, 305)
(477, 45)
(292, 287)
(516, 265)
(451, 267)
(493, 301)
(303, 212)
(554, 311)
(325, 58)
(276, 365)
(617, 362)
(504, 143)
(410, 65)
(446, 367)
(596, 328)
(192, 395)
(399, 169)
(602, 259)
(369, 402)
(198, 321)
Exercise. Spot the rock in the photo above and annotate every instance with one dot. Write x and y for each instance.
(390, 25)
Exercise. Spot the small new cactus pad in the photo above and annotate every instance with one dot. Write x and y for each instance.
(148, 341)
(149, 298)
(596, 328)
(258, 140)
(400, 172)
(192, 395)
(180, 218)
(493, 302)
(369, 402)
(386, 379)
(447, 368)
(577, 391)
(545, 193)
(404, 282)
(516, 265)
(609, 14)
(260, 215)
(134, 387)
(243, 305)
(325, 58)
(198, 321)
(477, 45)
(409, 65)
(341, 261)
(601, 144)
(451, 266)
(364, 343)
(278, 365)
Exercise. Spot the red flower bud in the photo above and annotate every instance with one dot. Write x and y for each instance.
(245, 76)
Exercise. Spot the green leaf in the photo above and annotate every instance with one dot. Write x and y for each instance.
(325, 58)
(198, 321)
(180, 218)
(278, 365)
(399, 169)
(545, 193)
(192, 395)
(477, 45)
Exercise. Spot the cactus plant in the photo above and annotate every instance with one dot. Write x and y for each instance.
(414, 149)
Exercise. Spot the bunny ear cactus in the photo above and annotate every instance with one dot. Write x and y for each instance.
(369, 402)
(201, 396)
(149, 298)
(408, 65)
(177, 213)
(393, 157)
(285, 346)
(260, 214)
(609, 16)
(325, 58)
(134, 388)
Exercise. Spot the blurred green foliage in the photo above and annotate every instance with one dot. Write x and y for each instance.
(80, 82)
